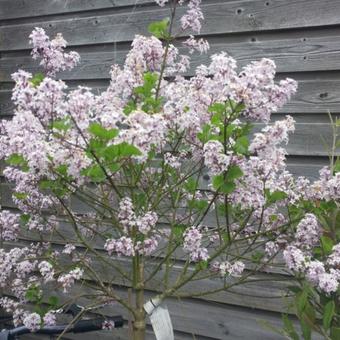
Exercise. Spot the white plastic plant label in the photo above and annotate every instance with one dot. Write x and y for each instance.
(160, 319)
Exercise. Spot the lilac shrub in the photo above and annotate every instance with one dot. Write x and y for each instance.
(108, 187)
(314, 250)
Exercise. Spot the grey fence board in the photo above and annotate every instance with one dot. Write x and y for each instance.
(221, 18)
(10, 9)
(290, 55)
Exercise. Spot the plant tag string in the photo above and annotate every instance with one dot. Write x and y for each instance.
(160, 319)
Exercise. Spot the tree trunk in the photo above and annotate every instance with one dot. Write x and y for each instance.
(140, 315)
(139, 326)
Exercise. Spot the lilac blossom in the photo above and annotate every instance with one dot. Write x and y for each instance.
(308, 231)
(295, 258)
(32, 321)
(67, 280)
(51, 52)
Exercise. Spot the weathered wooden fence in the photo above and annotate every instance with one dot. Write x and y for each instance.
(302, 36)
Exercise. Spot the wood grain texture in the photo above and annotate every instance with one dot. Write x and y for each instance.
(10, 9)
(290, 55)
(221, 18)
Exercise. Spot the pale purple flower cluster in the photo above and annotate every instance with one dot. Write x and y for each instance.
(193, 17)
(226, 268)
(122, 246)
(46, 270)
(192, 244)
(308, 232)
(295, 259)
(323, 275)
(49, 319)
(9, 225)
(172, 161)
(51, 52)
(68, 280)
(32, 321)
(214, 158)
(145, 131)
(201, 45)
(128, 219)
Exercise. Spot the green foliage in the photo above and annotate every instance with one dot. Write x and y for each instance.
(18, 160)
(160, 28)
(201, 265)
(205, 135)
(191, 185)
(178, 230)
(37, 79)
(62, 125)
(130, 107)
(24, 218)
(95, 173)
(220, 184)
(146, 93)
(33, 294)
(328, 315)
(53, 301)
(121, 150)
(20, 195)
(327, 244)
(241, 145)
(99, 131)
(257, 256)
(199, 205)
(273, 197)
(234, 172)
(289, 328)
(225, 182)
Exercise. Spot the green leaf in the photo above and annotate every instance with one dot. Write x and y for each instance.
(228, 187)
(234, 172)
(24, 218)
(306, 330)
(328, 314)
(257, 256)
(199, 205)
(335, 333)
(190, 185)
(205, 134)
(53, 301)
(62, 170)
(217, 181)
(275, 196)
(130, 107)
(18, 160)
(217, 108)
(99, 131)
(159, 28)
(301, 301)
(37, 79)
(289, 327)
(120, 151)
(201, 265)
(223, 186)
(33, 294)
(20, 195)
(241, 145)
(336, 168)
(150, 82)
(327, 244)
(178, 230)
(61, 124)
(95, 173)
